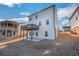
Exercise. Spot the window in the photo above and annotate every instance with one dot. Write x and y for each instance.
(14, 33)
(36, 16)
(30, 19)
(76, 18)
(47, 22)
(0, 30)
(46, 33)
(78, 12)
(30, 33)
(40, 23)
(36, 33)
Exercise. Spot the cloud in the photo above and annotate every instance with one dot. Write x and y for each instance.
(11, 3)
(2, 19)
(67, 11)
(65, 23)
(64, 15)
(20, 20)
(25, 13)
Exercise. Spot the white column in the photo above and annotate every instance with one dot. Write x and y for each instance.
(12, 33)
(6, 30)
(2, 33)
(13, 30)
(19, 29)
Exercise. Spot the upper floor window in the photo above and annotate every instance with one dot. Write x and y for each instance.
(40, 23)
(78, 12)
(0, 30)
(36, 16)
(30, 33)
(76, 18)
(30, 19)
(46, 33)
(36, 33)
(47, 22)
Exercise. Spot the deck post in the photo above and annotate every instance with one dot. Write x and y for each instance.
(27, 34)
(23, 33)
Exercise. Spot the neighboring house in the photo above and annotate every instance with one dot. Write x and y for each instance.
(74, 21)
(10, 29)
(66, 28)
(46, 19)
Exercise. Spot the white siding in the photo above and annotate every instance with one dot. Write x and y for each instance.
(43, 16)
(74, 22)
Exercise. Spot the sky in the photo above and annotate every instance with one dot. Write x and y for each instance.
(20, 11)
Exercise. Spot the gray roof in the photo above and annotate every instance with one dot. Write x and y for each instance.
(13, 22)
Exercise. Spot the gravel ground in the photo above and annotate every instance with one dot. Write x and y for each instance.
(41, 48)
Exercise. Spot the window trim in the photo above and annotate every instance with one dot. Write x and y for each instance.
(47, 22)
(46, 33)
(36, 34)
(30, 19)
(36, 16)
(78, 12)
(76, 17)
(40, 23)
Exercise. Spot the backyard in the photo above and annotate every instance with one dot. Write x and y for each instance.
(66, 45)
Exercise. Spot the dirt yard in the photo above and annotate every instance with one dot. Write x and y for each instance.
(66, 45)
